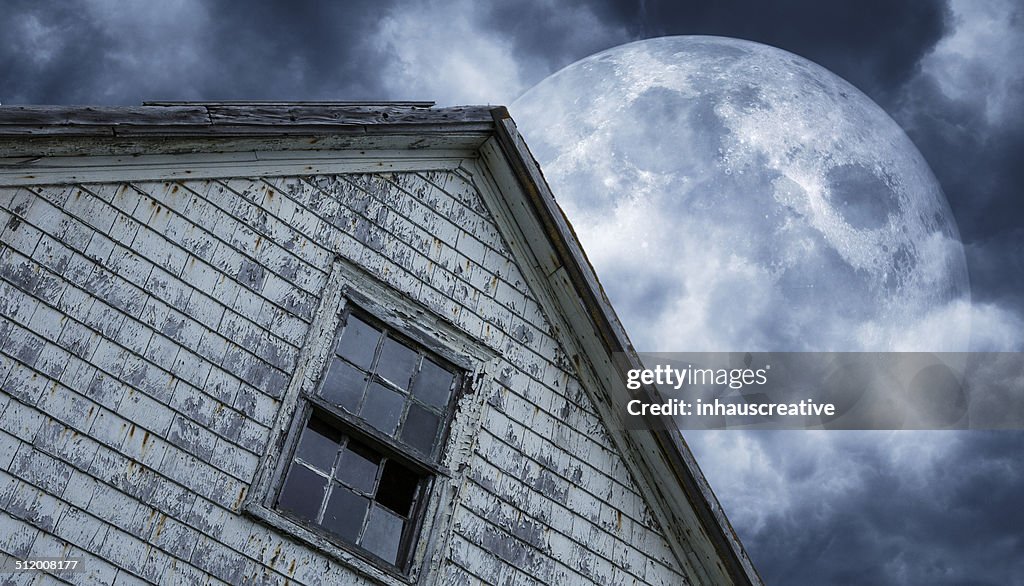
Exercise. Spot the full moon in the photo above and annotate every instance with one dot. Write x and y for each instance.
(734, 196)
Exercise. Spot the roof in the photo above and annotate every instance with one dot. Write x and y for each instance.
(36, 138)
(238, 126)
(236, 118)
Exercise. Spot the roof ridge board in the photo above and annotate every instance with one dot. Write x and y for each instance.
(171, 103)
(270, 115)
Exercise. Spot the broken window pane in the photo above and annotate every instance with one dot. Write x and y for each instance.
(318, 446)
(420, 428)
(396, 363)
(344, 513)
(382, 408)
(433, 384)
(397, 489)
(358, 467)
(358, 342)
(303, 492)
(383, 534)
(343, 386)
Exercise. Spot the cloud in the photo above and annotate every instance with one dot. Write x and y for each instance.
(458, 52)
(875, 44)
(984, 327)
(105, 52)
(438, 51)
(962, 109)
(979, 62)
(872, 507)
(295, 51)
(547, 35)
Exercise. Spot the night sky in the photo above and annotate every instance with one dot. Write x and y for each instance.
(811, 508)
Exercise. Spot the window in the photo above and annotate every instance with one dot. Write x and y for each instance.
(366, 446)
(370, 446)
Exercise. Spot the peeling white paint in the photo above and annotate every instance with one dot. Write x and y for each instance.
(149, 329)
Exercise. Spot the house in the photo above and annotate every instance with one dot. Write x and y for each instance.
(318, 343)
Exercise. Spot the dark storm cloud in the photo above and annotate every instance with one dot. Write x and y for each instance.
(978, 163)
(117, 53)
(556, 34)
(42, 54)
(874, 44)
(298, 50)
(938, 508)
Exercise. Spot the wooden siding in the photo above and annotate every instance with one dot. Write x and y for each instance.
(149, 329)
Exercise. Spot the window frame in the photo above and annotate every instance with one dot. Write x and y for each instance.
(349, 289)
(354, 428)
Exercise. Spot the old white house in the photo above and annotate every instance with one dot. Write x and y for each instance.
(318, 344)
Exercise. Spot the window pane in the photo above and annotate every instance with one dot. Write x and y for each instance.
(318, 446)
(383, 534)
(343, 386)
(358, 467)
(345, 512)
(382, 408)
(433, 384)
(397, 488)
(358, 342)
(396, 363)
(420, 428)
(302, 493)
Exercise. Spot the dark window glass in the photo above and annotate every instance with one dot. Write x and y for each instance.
(396, 363)
(343, 386)
(433, 384)
(345, 513)
(358, 342)
(318, 446)
(358, 467)
(382, 408)
(397, 489)
(303, 492)
(383, 534)
(420, 429)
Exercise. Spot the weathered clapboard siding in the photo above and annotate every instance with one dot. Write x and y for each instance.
(149, 330)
